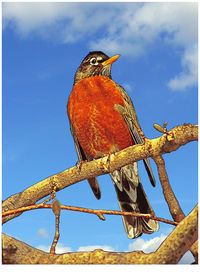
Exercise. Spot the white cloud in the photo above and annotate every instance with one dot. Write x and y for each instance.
(148, 246)
(44, 248)
(71, 21)
(29, 17)
(128, 28)
(60, 249)
(94, 247)
(127, 87)
(189, 75)
(187, 258)
(43, 233)
(175, 22)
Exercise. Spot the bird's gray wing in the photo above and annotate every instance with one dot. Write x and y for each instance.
(130, 117)
(82, 156)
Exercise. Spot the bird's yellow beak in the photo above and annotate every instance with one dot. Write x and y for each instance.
(110, 60)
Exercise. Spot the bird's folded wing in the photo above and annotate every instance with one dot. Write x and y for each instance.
(82, 157)
(130, 117)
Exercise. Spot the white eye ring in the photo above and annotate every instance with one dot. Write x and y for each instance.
(93, 61)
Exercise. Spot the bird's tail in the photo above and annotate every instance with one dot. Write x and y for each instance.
(132, 198)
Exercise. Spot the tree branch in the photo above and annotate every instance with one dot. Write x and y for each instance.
(173, 204)
(97, 212)
(176, 137)
(56, 209)
(179, 241)
(170, 251)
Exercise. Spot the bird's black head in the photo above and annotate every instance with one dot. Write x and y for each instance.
(96, 63)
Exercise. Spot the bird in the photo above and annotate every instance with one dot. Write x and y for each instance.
(103, 121)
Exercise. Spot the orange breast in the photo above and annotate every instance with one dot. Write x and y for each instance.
(99, 127)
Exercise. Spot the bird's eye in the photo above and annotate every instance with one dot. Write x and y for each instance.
(93, 61)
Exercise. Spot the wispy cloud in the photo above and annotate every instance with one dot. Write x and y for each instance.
(127, 87)
(148, 246)
(43, 233)
(60, 248)
(140, 244)
(126, 28)
(189, 75)
(187, 258)
(94, 247)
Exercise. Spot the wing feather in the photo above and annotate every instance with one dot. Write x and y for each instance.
(82, 156)
(130, 117)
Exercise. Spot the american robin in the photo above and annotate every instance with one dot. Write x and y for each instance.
(103, 121)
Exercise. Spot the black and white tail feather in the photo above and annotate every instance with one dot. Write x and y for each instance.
(132, 198)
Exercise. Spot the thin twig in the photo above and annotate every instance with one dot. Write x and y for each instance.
(53, 195)
(56, 209)
(86, 210)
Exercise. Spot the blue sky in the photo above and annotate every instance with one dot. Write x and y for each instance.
(42, 46)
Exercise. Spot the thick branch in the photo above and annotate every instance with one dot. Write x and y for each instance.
(179, 241)
(170, 251)
(167, 143)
